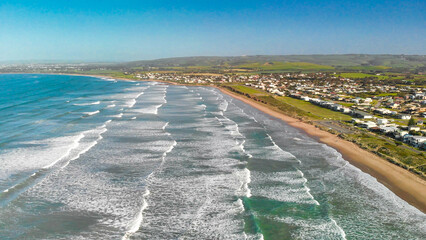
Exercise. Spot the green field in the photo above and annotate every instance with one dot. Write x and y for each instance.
(248, 90)
(317, 111)
(341, 62)
(361, 75)
(293, 107)
(285, 66)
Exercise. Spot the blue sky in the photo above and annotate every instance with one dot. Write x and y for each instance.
(122, 30)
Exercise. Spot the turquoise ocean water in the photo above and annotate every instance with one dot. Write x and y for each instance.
(98, 158)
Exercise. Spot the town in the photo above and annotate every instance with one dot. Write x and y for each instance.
(393, 109)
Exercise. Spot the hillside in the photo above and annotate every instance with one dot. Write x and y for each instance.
(347, 62)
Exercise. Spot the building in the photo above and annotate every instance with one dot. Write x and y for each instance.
(361, 114)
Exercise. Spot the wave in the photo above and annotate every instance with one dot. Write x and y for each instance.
(136, 223)
(241, 146)
(223, 106)
(280, 149)
(131, 103)
(98, 131)
(73, 152)
(91, 113)
(109, 79)
(111, 106)
(246, 182)
(165, 125)
(118, 115)
(163, 159)
(342, 233)
(74, 145)
(308, 190)
(87, 104)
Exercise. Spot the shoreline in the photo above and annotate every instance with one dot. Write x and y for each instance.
(403, 183)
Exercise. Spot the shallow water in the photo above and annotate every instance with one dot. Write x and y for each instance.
(92, 158)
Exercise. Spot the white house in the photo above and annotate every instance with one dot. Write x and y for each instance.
(404, 116)
(382, 121)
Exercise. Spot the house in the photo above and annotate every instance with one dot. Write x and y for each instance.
(388, 129)
(382, 121)
(345, 110)
(361, 114)
(413, 128)
(404, 116)
(415, 141)
(368, 124)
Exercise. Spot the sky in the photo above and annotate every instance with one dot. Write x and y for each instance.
(127, 30)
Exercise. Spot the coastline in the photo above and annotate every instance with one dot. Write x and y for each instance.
(403, 183)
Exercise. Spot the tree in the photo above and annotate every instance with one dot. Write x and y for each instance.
(411, 122)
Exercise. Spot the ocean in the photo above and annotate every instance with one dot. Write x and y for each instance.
(100, 158)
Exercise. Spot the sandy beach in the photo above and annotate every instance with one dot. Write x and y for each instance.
(403, 183)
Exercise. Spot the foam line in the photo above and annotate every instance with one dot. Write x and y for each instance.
(131, 103)
(279, 148)
(342, 233)
(247, 182)
(165, 125)
(103, 130)
(308, 190)
(87, 104)
(73, 146)
(91, 113)
(163, 160)
(136, 223)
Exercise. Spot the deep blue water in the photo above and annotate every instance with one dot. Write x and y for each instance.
(92, 158)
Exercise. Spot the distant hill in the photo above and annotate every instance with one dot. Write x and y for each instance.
(353, 62)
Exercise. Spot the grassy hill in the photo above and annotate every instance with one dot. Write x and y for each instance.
(345, 62)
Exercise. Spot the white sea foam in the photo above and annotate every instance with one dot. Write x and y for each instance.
(111, 106)
(223, 106)
(280, 149)
(149, 109)
(118, 115)
(91, 113)
(240, 204)
(137, 221)
(308, 190)
(163, 159)
(35, 155)
(87, 104)
(246, 182)
(109, 79)
(131, 103)
(86, 147)
(342, 233)
(73, 146)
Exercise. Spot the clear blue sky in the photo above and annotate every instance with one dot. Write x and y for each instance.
(121, 30)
